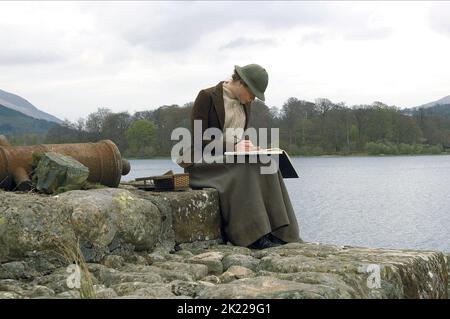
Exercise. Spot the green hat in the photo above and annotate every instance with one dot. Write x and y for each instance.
(256, 78)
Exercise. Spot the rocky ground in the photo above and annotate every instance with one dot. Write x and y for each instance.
(136, 244)
(200, 270)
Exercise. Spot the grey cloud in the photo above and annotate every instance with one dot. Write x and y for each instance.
(193, 22)
(369, 34)
(12, 57)
(27, 45)
(439, 17)
(246, 42)
(356, 35)
(177, 26)
(314, 38)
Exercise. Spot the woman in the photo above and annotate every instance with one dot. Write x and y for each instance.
(256, 210)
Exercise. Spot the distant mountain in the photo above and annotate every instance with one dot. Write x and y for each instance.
(17, 103)
(440, 107)
(16, 123)
(443, 101)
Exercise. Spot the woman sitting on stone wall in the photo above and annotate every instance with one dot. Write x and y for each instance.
(256, 209)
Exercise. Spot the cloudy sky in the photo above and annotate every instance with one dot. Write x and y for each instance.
(69, 58)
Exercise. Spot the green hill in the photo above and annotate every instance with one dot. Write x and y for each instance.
(438, 110)
(16, 123)
(18, 103)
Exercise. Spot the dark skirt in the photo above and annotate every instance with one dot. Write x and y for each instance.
(252, 204)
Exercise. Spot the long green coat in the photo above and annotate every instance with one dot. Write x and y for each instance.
(252, 204)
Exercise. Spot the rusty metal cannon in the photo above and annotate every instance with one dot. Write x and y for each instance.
(103, 159)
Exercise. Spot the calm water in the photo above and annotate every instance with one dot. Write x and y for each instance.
(395, 202)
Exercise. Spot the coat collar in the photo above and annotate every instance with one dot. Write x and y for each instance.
(217, 96)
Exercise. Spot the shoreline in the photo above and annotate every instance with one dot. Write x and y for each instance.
(325, 155)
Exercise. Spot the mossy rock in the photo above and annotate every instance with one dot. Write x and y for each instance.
(56, 173)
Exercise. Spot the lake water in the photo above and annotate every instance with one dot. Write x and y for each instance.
(391, 202)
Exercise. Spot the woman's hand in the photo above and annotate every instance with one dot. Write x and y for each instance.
(245, 146)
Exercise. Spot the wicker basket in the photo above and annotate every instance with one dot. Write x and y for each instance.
(168, 181)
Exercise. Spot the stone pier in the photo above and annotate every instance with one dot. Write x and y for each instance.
(139, 244)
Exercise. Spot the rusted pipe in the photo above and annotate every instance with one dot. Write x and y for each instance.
(21, 179)
(4, 141)
(102, 158)
(126, 167)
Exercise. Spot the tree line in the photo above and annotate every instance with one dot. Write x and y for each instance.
(306, 128)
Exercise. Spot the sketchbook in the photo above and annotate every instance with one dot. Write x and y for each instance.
(284, 162)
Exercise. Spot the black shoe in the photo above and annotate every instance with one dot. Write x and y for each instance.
(276, 240)
(263, 243)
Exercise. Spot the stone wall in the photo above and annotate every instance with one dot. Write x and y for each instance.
(141, 244)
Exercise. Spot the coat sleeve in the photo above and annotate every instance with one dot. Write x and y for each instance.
(202, 107)
(200, 112)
